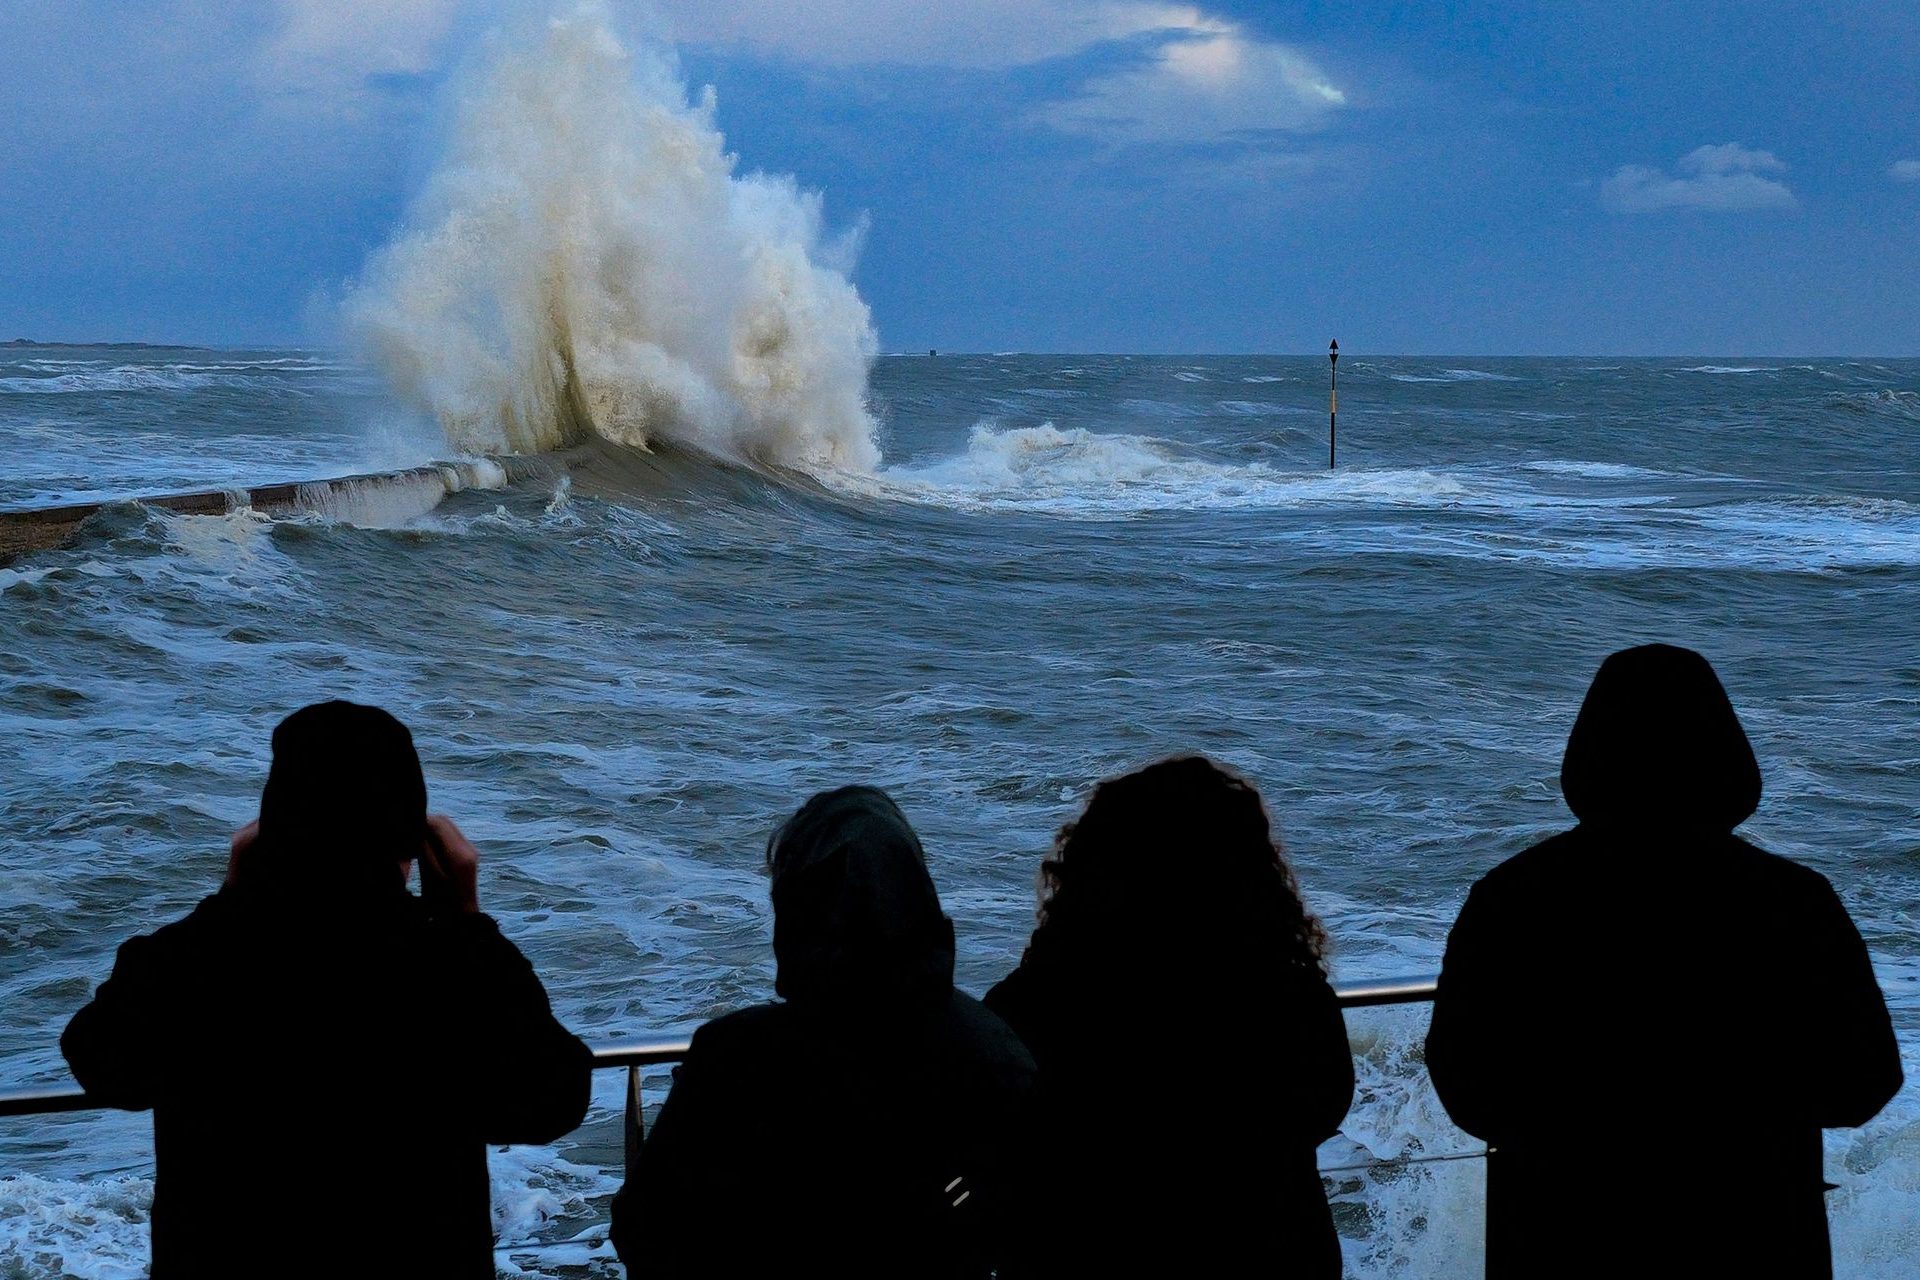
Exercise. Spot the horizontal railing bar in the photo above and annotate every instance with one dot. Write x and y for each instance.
(1406, 1162)
(1378, 991)
(38, 1102)
(653, 1053)
(640, 1053)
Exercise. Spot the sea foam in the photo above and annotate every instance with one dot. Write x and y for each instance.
(1046, 469)
(586, 261)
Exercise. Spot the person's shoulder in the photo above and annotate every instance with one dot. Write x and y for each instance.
(991, 1039)
(744, 1030)
(1298, 980)
(1554, 855)
(1794, 879)
(1010, 997)
(212, 917)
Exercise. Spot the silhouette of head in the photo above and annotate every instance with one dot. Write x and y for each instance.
(1184, 821)
(1657, 744)
(855, 915)
(345, 789)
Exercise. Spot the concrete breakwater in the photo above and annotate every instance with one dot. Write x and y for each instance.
(383, 497)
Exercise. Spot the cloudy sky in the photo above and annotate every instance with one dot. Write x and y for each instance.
(1626, 176)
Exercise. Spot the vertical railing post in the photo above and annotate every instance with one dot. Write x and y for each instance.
(636, 1124)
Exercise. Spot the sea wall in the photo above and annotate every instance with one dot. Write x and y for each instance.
(414, 489)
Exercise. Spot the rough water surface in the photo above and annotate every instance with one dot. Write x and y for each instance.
(1061, 566)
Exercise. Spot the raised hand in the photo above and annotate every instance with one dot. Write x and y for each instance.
(237, 848)
(449, 867)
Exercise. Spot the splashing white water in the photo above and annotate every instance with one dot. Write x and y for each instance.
(586, 262)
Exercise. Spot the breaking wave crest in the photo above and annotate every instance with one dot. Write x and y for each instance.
(68, 377)
(1077, 472)
(585, 261)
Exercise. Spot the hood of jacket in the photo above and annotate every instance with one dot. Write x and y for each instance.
(345, 786)
(856, 919)
(1657, 743)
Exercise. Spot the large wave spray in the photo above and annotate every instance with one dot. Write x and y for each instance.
(586, 262)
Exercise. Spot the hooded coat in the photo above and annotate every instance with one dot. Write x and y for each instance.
(327, 1057)
(863, 1126)
(1649, 1019)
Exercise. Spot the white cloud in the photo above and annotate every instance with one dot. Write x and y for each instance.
(326, 50)
(1200, 78)
(1904, 171)
(1208, 80)
(1728, 176)
(976, 34)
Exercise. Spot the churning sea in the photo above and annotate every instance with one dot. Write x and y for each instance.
(622, 674)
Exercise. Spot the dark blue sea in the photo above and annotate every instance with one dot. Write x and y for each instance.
(623, 673)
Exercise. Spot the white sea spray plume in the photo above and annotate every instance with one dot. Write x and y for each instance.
(585, 261)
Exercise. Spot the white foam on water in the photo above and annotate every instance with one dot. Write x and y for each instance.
(1423, 1219)
(1818, 533)
(1428, 1220)
(585, 260)
(1906, 403)
(85, 1230)
(1455, 375)
(1083, 474)
(98, 1229)
(71, 377)
(1077, 472)
(533, 1187)
(1268, 409)
(1874, 1212)
(296, 364)
(1731, 368)
(230, 540)
(131, 377)
(1594, 470)
(11, 578)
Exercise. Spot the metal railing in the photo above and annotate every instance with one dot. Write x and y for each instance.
(654, 1053)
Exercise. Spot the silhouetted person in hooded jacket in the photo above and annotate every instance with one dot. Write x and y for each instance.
(862, 1127)
(326, 1055)
(1192, 1053)
(1650, 1019)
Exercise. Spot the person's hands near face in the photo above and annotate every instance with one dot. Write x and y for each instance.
(243, 840)
(449, 867)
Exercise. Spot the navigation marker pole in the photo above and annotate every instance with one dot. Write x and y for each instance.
(1333, 399)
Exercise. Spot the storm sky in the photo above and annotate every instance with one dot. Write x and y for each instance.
(1048, 175)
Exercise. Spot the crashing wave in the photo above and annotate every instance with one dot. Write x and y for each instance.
(585, 261)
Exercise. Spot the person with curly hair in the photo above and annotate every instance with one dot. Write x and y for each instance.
(1168, 905)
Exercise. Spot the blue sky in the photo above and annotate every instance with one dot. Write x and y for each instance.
(1051, 175)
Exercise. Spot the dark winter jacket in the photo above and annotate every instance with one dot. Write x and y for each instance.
(864, 1127)
(326, 1067)
(1188, 1157)
(1650, 1019)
